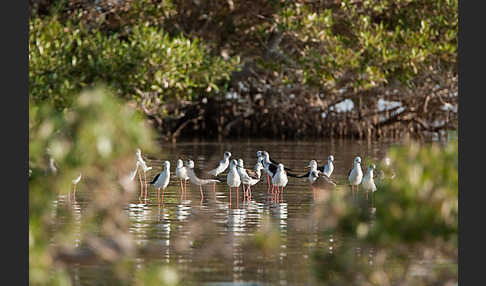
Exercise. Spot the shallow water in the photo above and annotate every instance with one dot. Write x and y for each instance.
(207, 241)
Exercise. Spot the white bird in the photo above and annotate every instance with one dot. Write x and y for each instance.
(181, 173)
(241, 168)
(329, 166)
(326, 169)
(194, 179)
(142, 162)
(261, 159)
(267, 165)
(355, 175)
(75, 183)
(134, 172)
(233, 178)
(368, 181)
(249, 177)
(280, 177)
(161, 181)
(145, 169)
(222, 166)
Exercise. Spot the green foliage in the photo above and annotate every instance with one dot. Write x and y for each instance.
(422, 198)
(373, 42)
(67, 57)
(416, 216)
(89, 138)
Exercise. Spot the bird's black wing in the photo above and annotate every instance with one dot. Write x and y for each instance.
(288, 169)
(293, 175)
(155, 179)
(349, 172)
(321, 168)
(303, 176)
(272, 168)
(276, 163)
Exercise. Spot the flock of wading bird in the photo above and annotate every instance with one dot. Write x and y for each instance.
(277, 175)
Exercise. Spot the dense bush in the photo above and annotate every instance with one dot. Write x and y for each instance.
(394, 62)
(65, 57)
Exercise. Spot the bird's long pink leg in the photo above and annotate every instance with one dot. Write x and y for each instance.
(182, 190)
(201, 190)
(268, 183)
(158, 195)
(185, 189)
(74, 193)
(146, 187)
(163, 192)
(237, 196)
(230, 197)
(214, 187)
(141, 186)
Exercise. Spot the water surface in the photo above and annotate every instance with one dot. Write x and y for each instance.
(208, 240)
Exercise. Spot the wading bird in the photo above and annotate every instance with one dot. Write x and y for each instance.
(222, 165)
(355, 175)
(195, 180)
(161, 181)
(271, 169)
(280, 178)
(141, 163)
(325, 169)
(181, 173)
(329, 167)
(249, 177)
(368, 181)
(75, 183)
(233, 178)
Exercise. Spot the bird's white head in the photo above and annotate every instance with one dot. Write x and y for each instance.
(179, 163)
(139, 152)
(240, 162)
(280, 167)
(190, 164)
(227, 154)
(233, 163)
(166, 165)
(357, 160)
(266, 156)
(259, 154)
(330, 158)
(312, 164)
